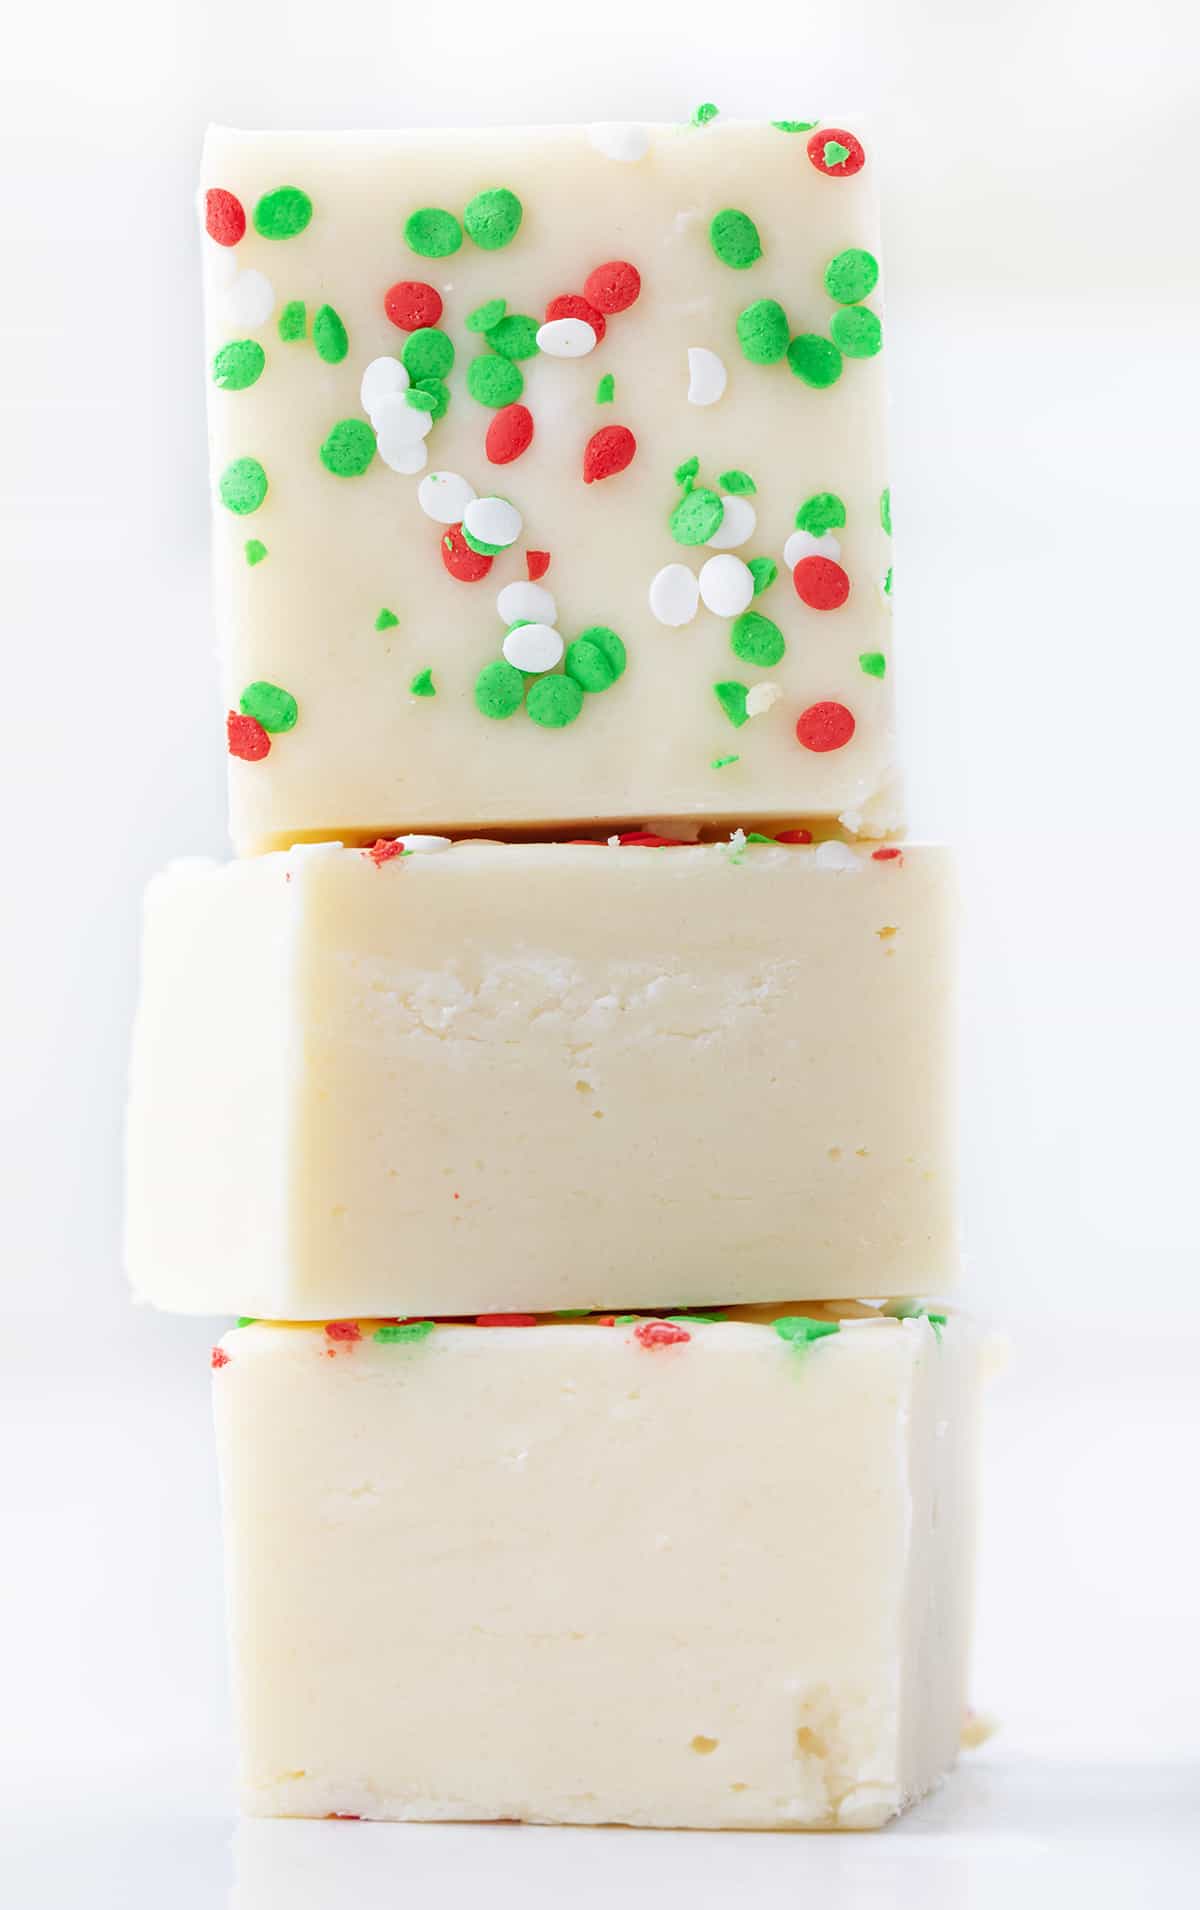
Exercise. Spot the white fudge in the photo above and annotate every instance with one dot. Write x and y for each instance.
(691, 1573)
(543, 1076)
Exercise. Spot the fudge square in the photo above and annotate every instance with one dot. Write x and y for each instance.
(549, 478)
(543, 1076)
(692, 1572)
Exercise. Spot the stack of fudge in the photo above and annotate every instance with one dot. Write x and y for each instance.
(558, 1086)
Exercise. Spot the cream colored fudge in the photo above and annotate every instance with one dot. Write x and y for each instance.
(549, 476)
(689, 1572)
(541, 1076)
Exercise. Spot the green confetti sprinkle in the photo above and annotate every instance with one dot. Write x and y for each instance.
(554, 701)
(737, 483)
(937, 1321)
(856, 331)
(734, 238)
(329, 335)
(769, 841)
(834, 152)
(439, 391)
(493, 218)
(515, 336)
(404, 1335)
(255, 551)
(488, 550)
(764, 571)
(243, 486)
(687, 1319)
(486, 315)
(851, 275)
(596, 658)
(423, 684)
(349, 448)
(762, 331)
(293, 321)
(704, 113)
(274, 708)
(573, 1313)
(873, 663)
(815, 360)
(248, 1319)
(723, 762)
(238, 366)
(794, 125)
(885, 509)
(606, 389)
(697, 516)
(887, 582)
(428, 353)
(420, 399)
(386, 620)
(732, 698)
(432, 232)
(756, 640)
(499, 689)
(799, 1331)
(283, 213)
(687, 472)
(626, 1319)
(823, 511)
(494, 381)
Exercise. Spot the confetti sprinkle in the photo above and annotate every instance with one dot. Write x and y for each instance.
(412, 305)
(762, 331)
(499, 689)
(738, 523)
(349, 448)
(607, 452)
(612, 287)
(224, 216)
(465, 565)
(733, 697)
(537, 563)
(293, 321)
(428, 353)
(873, 663)
(249, 301)
(515, 336)
(793, 125)
(246, 739)
(707, 376)
(275, 709)
(330, 339)
(400, 427)
(887, 855)
(532, 647)
(697, 516)
(526, 602)
(801, 836)
(444, 496)
(242, 486)
(596, 658)
(851, 276)
(344, 1330)
(386, 620)
(824, 726)
(255, 551)
(554, 701)
(804, 544)
(493, 218)
(408, 1333)
(726, 586)
(506, 1319)
(764, 571)
(218, 1358)
(815, 360)
(509, 435)
(383, 378)
(283, 213)
(856, 331)
(836, 152)
(494, 380)
(760, 699)
(820, 583)
(757, 641)
(624, 142)
(885, 510)
(423, 684)
(837, 856)
(432, 232)
(823, 511)
(675, 595)
(426, 846)
(381, 852)
(486, 315)
(606, 390)
(660, 1333)
(239, 365)
(492, 520)
(801, 1332)
(737, 483)
(567, 338)
(704, 113)
(723, 762)
(734, 238)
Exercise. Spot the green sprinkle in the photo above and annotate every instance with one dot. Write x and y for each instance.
(606, 389)
(515, 336)
(823, 511)
(492, 218)
(596, 658)
(794, 125)
(423, 684)
(554, 701)
(283, 213)
(494, 381)
(574, 1313)
(732, 698)
(734, 238)
(764, 571)
(274, 708)
(937, 1321)
(433, 233)
(420, 399)
(403, 1335)
(485, 316)
(428, 353)
(386, 620)
(723, 762)
(487, 550)
(686, 1319)
(704, 113)
(686, 472)
(439, 391)
(696, 517)
(293, 321)
(248, 1319)
(329, 336)
(834, 152)
(255, 551)
(349, 448)
(499, 689)
(887, 582)
(762, 331)
(873, 663)
(815, 360)
(756, 640)
(737, 483)
(799, 1331)
(239, 365)
(851, 276)
(243, 486)
(770, 841)
(626, 1319)
(856, 331)
(885, 509)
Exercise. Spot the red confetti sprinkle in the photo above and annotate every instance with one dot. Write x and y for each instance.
(381, 852)
(606, 1319)
(509, 434)
(343, 1330)
(219, 1359)
(570, 305)
(537, 563)
(467, 565)
(608, 451)
(411, 304)
(794, 835)
(660, 1333)
(613, 287)
(224, 216)
(506, 1319)
(343, 1817)
(886, 855)
(644, 839)
(247, 737)
(820, 583)
(835, 136)
(824, 726)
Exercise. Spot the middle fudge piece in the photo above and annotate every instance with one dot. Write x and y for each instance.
(543, 1076)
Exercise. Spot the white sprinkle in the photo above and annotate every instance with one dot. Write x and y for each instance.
(726, 585)
(249, 301)
(707, 376)
(424, 845)
(620, 140)
(398, 423)
(761, 698)
(804, 544)
(220, 263)
(528, 602)
(492, 520)
(737, 840)
(614, 842)
(675, 595)
(737, 526)
(408, 459)
(444, 496)
(533, 646)
(836, 855)
(566, 338)
(383, 378)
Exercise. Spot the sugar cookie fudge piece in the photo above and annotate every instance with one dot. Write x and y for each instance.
(664, 1572)
(540, 1076)
(549, 478)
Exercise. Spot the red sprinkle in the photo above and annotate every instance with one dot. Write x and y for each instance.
(570, 305)
(660, 1333)
(381, 852)
(644, 839)
(606, 1319)
(247, 737)
(411, 304)
(824, 726)
(608, 451)
(219, 1359)
(853, 163)
(887, 855)
(509, 434)
(537, 563)
(614, 286)
(343, 1817)
(794, 835)
(467, 565)
(506, 1319)
(343, 1330)
(820, 583)
(224, 216)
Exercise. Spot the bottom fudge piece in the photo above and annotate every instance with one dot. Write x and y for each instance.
(697, 1571)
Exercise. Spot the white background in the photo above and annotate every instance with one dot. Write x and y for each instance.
(1040, 188)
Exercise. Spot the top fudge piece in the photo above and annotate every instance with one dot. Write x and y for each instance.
(550, 478)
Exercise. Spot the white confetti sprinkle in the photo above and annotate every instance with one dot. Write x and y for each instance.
(566, 338)
(249, 300)
(761, 698)
(675, 595)
(444, 496)
(614, 842)
(384, 378)
(220, 263)
(492, 520)
(529, 602)
(707, 376)
(533, 646)
(398, 423)
(620, 140)
(408, 459)
(804, 544)
(836, 855)
(726, 585)
(737, 526)
(424, 845)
